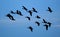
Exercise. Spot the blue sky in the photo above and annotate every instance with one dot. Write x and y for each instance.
(18, 28)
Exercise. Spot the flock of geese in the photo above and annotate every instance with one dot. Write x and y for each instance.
(47, 24)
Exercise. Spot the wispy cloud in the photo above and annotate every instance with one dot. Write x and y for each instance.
(17, 21)
(56, 26)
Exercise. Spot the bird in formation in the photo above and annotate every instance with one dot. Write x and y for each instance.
(10, 17)
(49, 24)
(30, 12)
(49, 9)
(38, 17)
(44, 21)
(34, 10)
(12, 12)
(46, 26)
(37, 23)
(27, 17)
(24, 8)
(19, 13)
(31, 29)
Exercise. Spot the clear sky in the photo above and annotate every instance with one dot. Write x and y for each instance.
(19, 27)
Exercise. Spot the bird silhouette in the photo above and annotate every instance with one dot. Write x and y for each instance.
(24, 8)
(49, 23)
(19, 13)
(31, 29)
(10, 17)
(46, 26)
(30, 12)
(38, 17)
(12, 12)
(49, 9)
(27, 17)
(44, 21)
(34, 10)
(37, 23)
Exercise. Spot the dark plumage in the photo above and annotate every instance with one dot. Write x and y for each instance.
(19, 13)
(44, 21)
(34, 10)
(49, 23)
(46, 26)
(12, 12)
(31, 29)
(24, 8)
(49, 9)
(30, 12)
(28, 17)
(10, 17)
(37, 23)
(38, 17)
